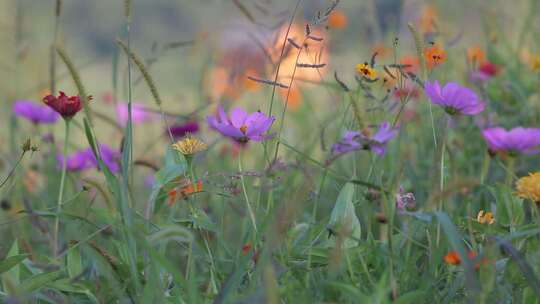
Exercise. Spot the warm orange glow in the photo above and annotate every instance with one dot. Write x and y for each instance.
(295, 98)
(337, 19)
(476, 54)
(412, 63)
(428, 19)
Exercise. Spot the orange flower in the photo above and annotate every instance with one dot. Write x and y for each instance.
(476, 54)
(337, 19)
(190, 189)
(32, 181)
(249, 84)
(222, 84)
(411, 62)
(314, 52)
(485, 217)
(453, 258)
(381, 49)
(295, 98)
(434, 56)
(184, 191)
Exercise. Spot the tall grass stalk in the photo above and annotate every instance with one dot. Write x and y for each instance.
(61, 191)
(52, 67)
(244, 190)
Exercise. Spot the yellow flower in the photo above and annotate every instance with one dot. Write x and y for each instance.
(189, 145)
(529, 187)
(366, 70)
(485, 217)
(535, 63)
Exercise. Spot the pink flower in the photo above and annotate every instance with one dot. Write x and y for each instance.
(517, 140)
(139, 114)
(454, 98)
(240, 125)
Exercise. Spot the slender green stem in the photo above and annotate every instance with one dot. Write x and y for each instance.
(212, 264)
(510, 171)
(129, 129)
(282, 120)
(61, 191)
(13, 169)
(250, 210)
(189, 260)
(441, 174)
(314, 219)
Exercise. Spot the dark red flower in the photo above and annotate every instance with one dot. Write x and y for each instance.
(489, 68)
(67, 106)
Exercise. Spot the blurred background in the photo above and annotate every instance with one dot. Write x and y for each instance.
(200, 53)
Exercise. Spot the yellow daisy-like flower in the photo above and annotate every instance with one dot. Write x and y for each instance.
(189, 145)
(529, 187)
(485, 217)
(535, 63)
(366, 70)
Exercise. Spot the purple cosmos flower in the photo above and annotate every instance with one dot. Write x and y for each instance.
(517, 140)
(34, 112)
(109, 156)
(85, 159)
(454, 98)
(240, 125)
(180, 130)
(353, 140)
(139, 114)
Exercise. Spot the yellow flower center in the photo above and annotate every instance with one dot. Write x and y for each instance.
(243, 128)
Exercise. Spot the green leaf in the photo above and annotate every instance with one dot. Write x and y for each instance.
(171, 233)
(11, 277)
(39, 280)
(510, 211)
(350, 291)
(11, 261)
(164, 179)
(411, 297)
(74, 262)
(201, 220)
(343, 220)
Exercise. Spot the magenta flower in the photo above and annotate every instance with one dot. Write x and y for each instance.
(34, 112)
(240, 125)
(454, 98)
(485, 72)
(404, 200)
(354, 140)
(181, 130)
(517, 140)
(139, 114)
(85, 159)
